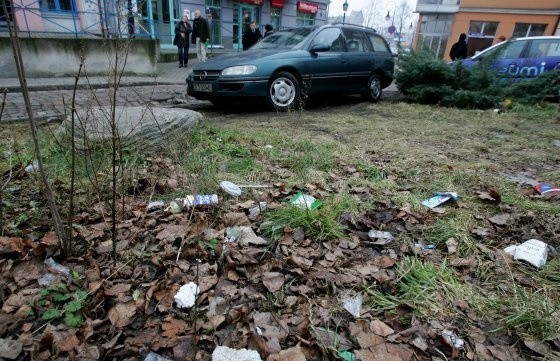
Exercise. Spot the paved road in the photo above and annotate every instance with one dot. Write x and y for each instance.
(52, 97)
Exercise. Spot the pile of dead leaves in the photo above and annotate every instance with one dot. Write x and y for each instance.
(287, 299)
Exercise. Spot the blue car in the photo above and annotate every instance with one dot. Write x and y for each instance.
(521, 58)
(287, 66)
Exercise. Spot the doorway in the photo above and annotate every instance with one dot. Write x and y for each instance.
(160, 17)
(243, 15)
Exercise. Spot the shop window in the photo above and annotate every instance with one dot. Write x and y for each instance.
(275, 18)
(303, 19)
(522, 30)
(483, 29)
(213, 9)
(57, 5)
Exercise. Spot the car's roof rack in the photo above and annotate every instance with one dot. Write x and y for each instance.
(354, 25)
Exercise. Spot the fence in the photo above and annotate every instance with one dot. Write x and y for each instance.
(95, 18)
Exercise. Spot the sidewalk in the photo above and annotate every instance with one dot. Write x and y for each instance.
(50, 97)
(167, 73)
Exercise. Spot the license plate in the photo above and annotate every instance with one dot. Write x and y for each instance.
(207, 88)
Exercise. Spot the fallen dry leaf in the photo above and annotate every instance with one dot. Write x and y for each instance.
(538, 347)
(173, 327)
(291, 354)
(451, 244)
(50, 239)
(273, 281)
(122, 314)
(185, 348)
(491, 196)
(68, 343)
(11, 245)
(500, 219)
(380, 328)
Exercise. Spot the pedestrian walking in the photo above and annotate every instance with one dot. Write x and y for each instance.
(459, 49)
(181, 40)
(251, 36)
(200, 35)
(268, 29)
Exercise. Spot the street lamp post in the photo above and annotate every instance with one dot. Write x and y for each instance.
(344, 8)
(391, 30)
(389, 17)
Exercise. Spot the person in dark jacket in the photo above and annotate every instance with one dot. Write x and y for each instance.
(459, 49)
(200, 35)
(268, 29)
(182, 31)
(251, 36)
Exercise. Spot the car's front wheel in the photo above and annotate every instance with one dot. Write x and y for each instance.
(374, 89)
(283, 92)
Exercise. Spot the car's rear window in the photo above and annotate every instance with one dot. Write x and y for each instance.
(284, 39)
(378, 44)
(544, 48)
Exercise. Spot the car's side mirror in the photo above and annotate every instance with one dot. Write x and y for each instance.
(320, 47)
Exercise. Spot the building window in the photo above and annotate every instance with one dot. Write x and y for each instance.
(522, 30)
(213, 13)
(57, 5)
(483, 29)
(434, 32)
(275, 16)
(303, 19)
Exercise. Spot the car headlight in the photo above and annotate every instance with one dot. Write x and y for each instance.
(240, 70)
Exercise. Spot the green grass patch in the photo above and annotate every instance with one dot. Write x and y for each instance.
(318, 224)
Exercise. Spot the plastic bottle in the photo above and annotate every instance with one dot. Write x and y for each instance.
(200, 200)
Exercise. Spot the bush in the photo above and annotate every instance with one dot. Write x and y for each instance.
(422, 78)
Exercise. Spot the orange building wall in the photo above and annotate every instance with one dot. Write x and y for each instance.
(505, 27)
(515, 4)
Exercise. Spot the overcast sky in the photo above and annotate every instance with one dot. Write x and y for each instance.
(382, 6)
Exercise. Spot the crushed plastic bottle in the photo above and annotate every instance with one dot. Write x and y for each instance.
(200, 200)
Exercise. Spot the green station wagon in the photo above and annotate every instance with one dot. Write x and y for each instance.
(287, 66)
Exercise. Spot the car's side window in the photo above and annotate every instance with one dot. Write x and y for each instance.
(544, 47)
(331, 36)
(512, 50)
(356, 41)
(378, 44)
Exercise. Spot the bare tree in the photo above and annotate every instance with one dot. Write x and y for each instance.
(403, 16)
(371, 13)
(16, 48)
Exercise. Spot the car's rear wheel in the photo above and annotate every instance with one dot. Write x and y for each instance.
(284, 92)
(374, 89)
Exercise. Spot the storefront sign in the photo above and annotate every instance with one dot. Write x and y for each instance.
(277, 4)
(306, 7)
(252, 2)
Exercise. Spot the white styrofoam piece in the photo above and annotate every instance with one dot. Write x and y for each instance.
(186, 296)
(224, 353)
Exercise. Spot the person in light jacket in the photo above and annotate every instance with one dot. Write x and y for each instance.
(200, 35)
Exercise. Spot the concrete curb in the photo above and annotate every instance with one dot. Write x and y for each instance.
(47, 87)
